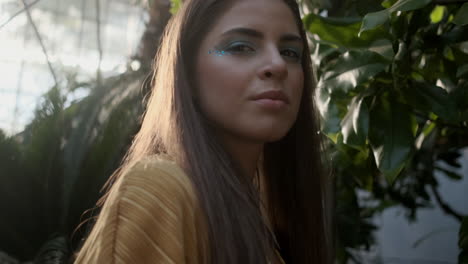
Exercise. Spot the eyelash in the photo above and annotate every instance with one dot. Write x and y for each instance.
(296, 55)
(240, 48)
(236, 48)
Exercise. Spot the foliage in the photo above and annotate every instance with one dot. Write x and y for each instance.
(175, 5)
(463, 242)
(31, 179)
(392, 92)
(55, 250)
(393, 95)
(460, 18)
(53, 171)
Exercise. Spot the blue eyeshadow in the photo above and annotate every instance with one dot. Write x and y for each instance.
(217, 52)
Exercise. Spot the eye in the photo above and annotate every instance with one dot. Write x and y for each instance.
(292, 54)
(239, 48)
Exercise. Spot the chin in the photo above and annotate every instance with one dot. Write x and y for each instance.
(272, 134)
(272, 131)
(276, 137)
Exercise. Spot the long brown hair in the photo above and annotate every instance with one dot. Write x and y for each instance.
(295, 181)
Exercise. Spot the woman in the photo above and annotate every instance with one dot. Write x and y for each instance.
(226, 167)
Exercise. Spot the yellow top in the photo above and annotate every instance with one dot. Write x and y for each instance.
(150, 216)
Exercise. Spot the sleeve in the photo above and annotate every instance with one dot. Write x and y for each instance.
(141, 221)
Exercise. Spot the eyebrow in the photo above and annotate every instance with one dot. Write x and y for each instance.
(288, 37)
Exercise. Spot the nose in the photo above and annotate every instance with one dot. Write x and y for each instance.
(274, 66)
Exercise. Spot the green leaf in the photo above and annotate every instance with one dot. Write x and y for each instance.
(461, 18)
(463, 258)
(342, 32)
(352, 69)
(355, 125)
(460, 53)
(329, 112)
(437, 14)
(431, 98)
(452, 175)
(463, 234)
(388, 3)
(375, 19)
(175, 5)
(322, 51)
(390, 136)
(365, 6)
(463, 241)
(383, 47)
(463, 70)
(448, 54)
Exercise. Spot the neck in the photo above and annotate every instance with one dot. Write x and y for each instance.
(246, 154)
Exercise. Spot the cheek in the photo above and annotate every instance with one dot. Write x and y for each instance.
(218, 92)
(221, 86)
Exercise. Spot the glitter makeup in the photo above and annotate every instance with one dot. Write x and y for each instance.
(218, 53)
(233, 48)
(290, 53)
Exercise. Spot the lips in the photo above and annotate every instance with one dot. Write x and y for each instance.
(274, 95)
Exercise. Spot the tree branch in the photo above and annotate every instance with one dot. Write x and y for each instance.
(159, 11)
(444, 206)
(39, 38)
(18, 13)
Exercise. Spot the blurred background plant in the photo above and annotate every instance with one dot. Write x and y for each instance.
(392, 93)
(393, 96)
(53, 168)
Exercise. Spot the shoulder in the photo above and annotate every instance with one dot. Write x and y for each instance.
(149, 215)
(156, 176)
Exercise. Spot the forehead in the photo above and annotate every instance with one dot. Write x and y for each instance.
(268, 16)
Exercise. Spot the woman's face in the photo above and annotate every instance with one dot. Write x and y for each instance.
(249, 72)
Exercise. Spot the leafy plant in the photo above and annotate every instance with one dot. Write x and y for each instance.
(54, 170)
(52, 173)
(463, 242)
(393, 95)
